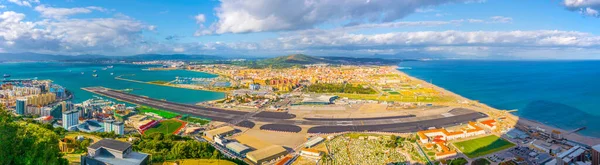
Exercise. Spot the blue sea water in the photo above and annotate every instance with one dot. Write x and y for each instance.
(69, 76)
(565, 94)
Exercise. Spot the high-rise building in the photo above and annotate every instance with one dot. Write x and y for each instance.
(114, 126)
(108, 125)
(64, 106)
(70, 118)
(20, 106)
(46, 111)
(596, 155)
(119, 128)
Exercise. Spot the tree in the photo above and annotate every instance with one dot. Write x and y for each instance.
(26, 143)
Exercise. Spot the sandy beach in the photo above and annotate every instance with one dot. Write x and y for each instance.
(521, 121)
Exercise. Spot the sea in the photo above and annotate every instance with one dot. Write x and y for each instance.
(69, 75)
(563, 94)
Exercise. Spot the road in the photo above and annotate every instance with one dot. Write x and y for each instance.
(399, 124)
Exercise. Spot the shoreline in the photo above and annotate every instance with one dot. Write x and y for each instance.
(482, 107)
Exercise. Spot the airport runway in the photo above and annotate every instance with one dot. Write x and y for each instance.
(282, 121)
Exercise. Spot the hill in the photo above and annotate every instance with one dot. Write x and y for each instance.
(298, 60)
(295, 59)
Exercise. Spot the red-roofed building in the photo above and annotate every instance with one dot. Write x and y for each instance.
(490, 124)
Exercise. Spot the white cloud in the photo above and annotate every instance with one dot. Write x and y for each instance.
(585, 7)
(495, 19)
(200, 18)
(590, 12)
(151, 27)
(501, 19)
(541, 38)
(24, 2)
(58, 13)
(240, 16)
(68, 35)
(179, 49)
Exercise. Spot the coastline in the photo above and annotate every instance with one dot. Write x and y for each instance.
(588, 140)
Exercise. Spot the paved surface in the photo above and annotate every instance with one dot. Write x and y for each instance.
(320, 125)
(281, 127)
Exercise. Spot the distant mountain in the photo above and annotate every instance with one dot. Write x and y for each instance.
(295, 59)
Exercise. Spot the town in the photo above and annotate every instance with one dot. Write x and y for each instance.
(310, 114)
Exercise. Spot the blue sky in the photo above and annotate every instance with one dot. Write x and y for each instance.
(471, 29)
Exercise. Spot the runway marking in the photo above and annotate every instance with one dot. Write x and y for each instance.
(447, 114)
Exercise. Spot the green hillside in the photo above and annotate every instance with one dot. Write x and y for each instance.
(295, 59)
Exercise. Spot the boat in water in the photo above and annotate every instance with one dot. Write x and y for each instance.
(82, 72)
(95, 75)
(104, 68)
(94, 71)
(110, 67)
(112, 74)
(6, 75)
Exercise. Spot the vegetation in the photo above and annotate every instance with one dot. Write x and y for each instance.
(27, 143)
(159, 112)
(483, 146)
(196, 120)
(481, 161)
(111, 135)
(171, 147)
(340, 88)
(203, 162)
(165, 127)
(457, 161)
(299, 60)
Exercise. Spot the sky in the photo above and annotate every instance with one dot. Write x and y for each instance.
(462, 29)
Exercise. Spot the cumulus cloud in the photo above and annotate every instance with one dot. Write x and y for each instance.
(343, 40)
(24, 2)
(240, 16)
(58, 13)
(200, 18)
(585, 7)
(495, 19)
(68, 35)
(460, 44)
(501, 19)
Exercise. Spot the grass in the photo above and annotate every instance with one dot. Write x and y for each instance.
(196, 120)
(483, 146)
(165, 127)
(197, 162)
(159, 112)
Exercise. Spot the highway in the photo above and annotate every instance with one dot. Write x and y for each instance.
(287, 121)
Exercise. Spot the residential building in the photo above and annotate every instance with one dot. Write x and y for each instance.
(21, 104)
(596, 155)
(114, 126)
(70, 118)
